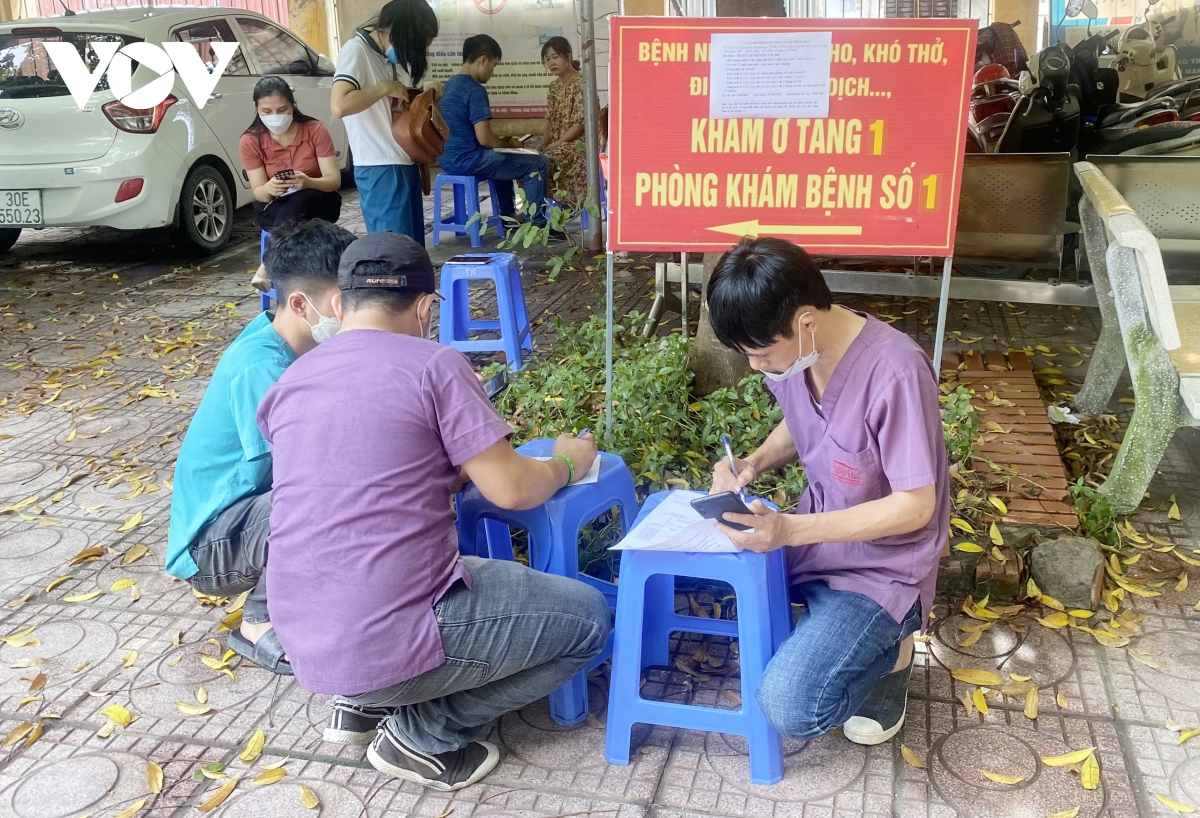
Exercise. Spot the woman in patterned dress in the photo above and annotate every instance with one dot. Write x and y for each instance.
(564, 125)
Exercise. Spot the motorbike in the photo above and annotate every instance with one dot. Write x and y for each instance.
(994, 95)
(1047, 116)
(1142, 64)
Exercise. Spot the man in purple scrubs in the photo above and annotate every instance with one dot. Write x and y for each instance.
(861, 413)
(373, 433)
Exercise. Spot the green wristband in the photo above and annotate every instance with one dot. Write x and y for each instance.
(570, 467)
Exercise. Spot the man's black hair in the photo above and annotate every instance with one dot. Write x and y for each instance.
(305, 256)
(393, 302)
(756, 289)
(481, 45)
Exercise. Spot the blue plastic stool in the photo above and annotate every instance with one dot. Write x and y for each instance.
(465, 190)
(456, 323)
(583, 213)
(553, 545)
(646, 618)
(264, 299)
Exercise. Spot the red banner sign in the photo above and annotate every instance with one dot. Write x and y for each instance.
(880, 175)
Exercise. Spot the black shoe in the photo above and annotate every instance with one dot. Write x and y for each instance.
(882, 714)
(351, 724)
(440, 771)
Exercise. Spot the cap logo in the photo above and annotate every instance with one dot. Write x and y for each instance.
(387, 281)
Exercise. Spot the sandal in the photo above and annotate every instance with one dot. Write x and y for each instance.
(267, 653)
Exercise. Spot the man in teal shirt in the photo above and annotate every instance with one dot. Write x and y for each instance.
(221, 506)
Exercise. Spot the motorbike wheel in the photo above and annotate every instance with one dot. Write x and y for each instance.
(995, 272)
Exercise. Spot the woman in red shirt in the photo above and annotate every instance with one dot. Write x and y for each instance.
(289, 160)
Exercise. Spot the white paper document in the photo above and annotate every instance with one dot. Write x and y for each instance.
(675, 526)
(593, 474)
(522, 151)
(770, 76)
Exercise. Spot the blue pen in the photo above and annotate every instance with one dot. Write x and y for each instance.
(732, 464)
(584, 432)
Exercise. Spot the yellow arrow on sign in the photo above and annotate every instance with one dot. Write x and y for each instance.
(754, 229)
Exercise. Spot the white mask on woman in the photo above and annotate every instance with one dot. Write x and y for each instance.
(276, 123)
(803, 362)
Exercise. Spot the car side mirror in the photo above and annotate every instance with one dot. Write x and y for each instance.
(325, 65)
(300, 67)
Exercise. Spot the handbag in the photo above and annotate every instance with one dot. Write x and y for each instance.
(419, 129)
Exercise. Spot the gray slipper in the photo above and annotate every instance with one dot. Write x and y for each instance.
(267, 653)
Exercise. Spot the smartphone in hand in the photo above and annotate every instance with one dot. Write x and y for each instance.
(285, 175)
(714, 506)
(496, 384)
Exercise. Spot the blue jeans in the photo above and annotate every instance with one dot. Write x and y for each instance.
(843, 644)
(515, 636)
(503, 168)
(391, 199)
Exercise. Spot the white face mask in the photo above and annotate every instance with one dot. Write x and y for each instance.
(803, 362)
(277, 123)
(326, 327)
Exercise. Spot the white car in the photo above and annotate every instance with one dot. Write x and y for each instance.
(172, 165)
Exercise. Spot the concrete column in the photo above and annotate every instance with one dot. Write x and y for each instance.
(309, 20)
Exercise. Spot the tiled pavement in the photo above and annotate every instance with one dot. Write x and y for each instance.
(105, 346)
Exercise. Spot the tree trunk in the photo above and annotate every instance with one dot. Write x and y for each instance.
(715, 366)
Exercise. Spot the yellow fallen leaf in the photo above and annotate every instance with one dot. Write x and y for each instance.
(28, 700)
(308, 799)
(733, 696)
(202, 695)
(219, 796)
(118, 714)
(34, 734)
(130, 658)
(999, 504)
(1067, 813)
(37, 683)
(17, 734)
(982, 678)
(28, 501)
(911, 757)
(122, 584)
(1067, 759)
(1061, 701)
(1001, 778)
(135, 553)
(154, 777)
(1051, 602)
(1171, 803)
(270, 777)
(55, 583)
(1089, 776)
(131, 810)
(83, 597)
(1018, 678)
(1184, 735)
(131, 523)
(1173, 511)
(969, 548)
(75, 429)
(995, 535)
(980, 701)
(972, 638)
(1080, 613)
(192, 710)
(1031, 704)
(1055, 620)
(1032, 590)
(134, 594)
(1183, 582)
(1109, 641)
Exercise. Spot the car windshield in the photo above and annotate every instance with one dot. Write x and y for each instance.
(25, 67)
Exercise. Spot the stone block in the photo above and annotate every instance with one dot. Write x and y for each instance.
(1000, 581)
(1070, 569)
(951, 579)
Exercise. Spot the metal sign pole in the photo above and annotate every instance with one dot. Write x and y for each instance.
(683, 294)
(608, 350)
(943, 308)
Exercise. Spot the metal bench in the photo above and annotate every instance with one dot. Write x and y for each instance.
(1149, 326)
(1162, 191)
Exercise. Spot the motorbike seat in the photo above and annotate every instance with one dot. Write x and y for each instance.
(1119, 140)
(1112, 115)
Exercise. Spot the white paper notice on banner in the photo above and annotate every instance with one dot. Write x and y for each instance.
(770, 76)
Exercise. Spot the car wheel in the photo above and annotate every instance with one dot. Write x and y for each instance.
(8, 237)
(205, 209)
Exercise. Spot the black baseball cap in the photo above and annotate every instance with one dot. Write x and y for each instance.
(407, 267)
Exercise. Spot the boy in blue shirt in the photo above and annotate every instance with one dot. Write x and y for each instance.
(221, 505)
(470, 150)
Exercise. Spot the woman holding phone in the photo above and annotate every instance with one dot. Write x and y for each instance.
(289, 160)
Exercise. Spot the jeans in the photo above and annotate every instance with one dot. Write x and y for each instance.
(231, 552)
(843, 644)
(503, 168)
(514, 637)
(391, 199)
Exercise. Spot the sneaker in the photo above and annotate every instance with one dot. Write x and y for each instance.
(882, 714)
(351, 724)
(440, 771)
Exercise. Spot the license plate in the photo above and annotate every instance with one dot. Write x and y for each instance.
(21, 208)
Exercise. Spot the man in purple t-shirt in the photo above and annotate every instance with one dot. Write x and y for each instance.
(373, 433)
(861, 413)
